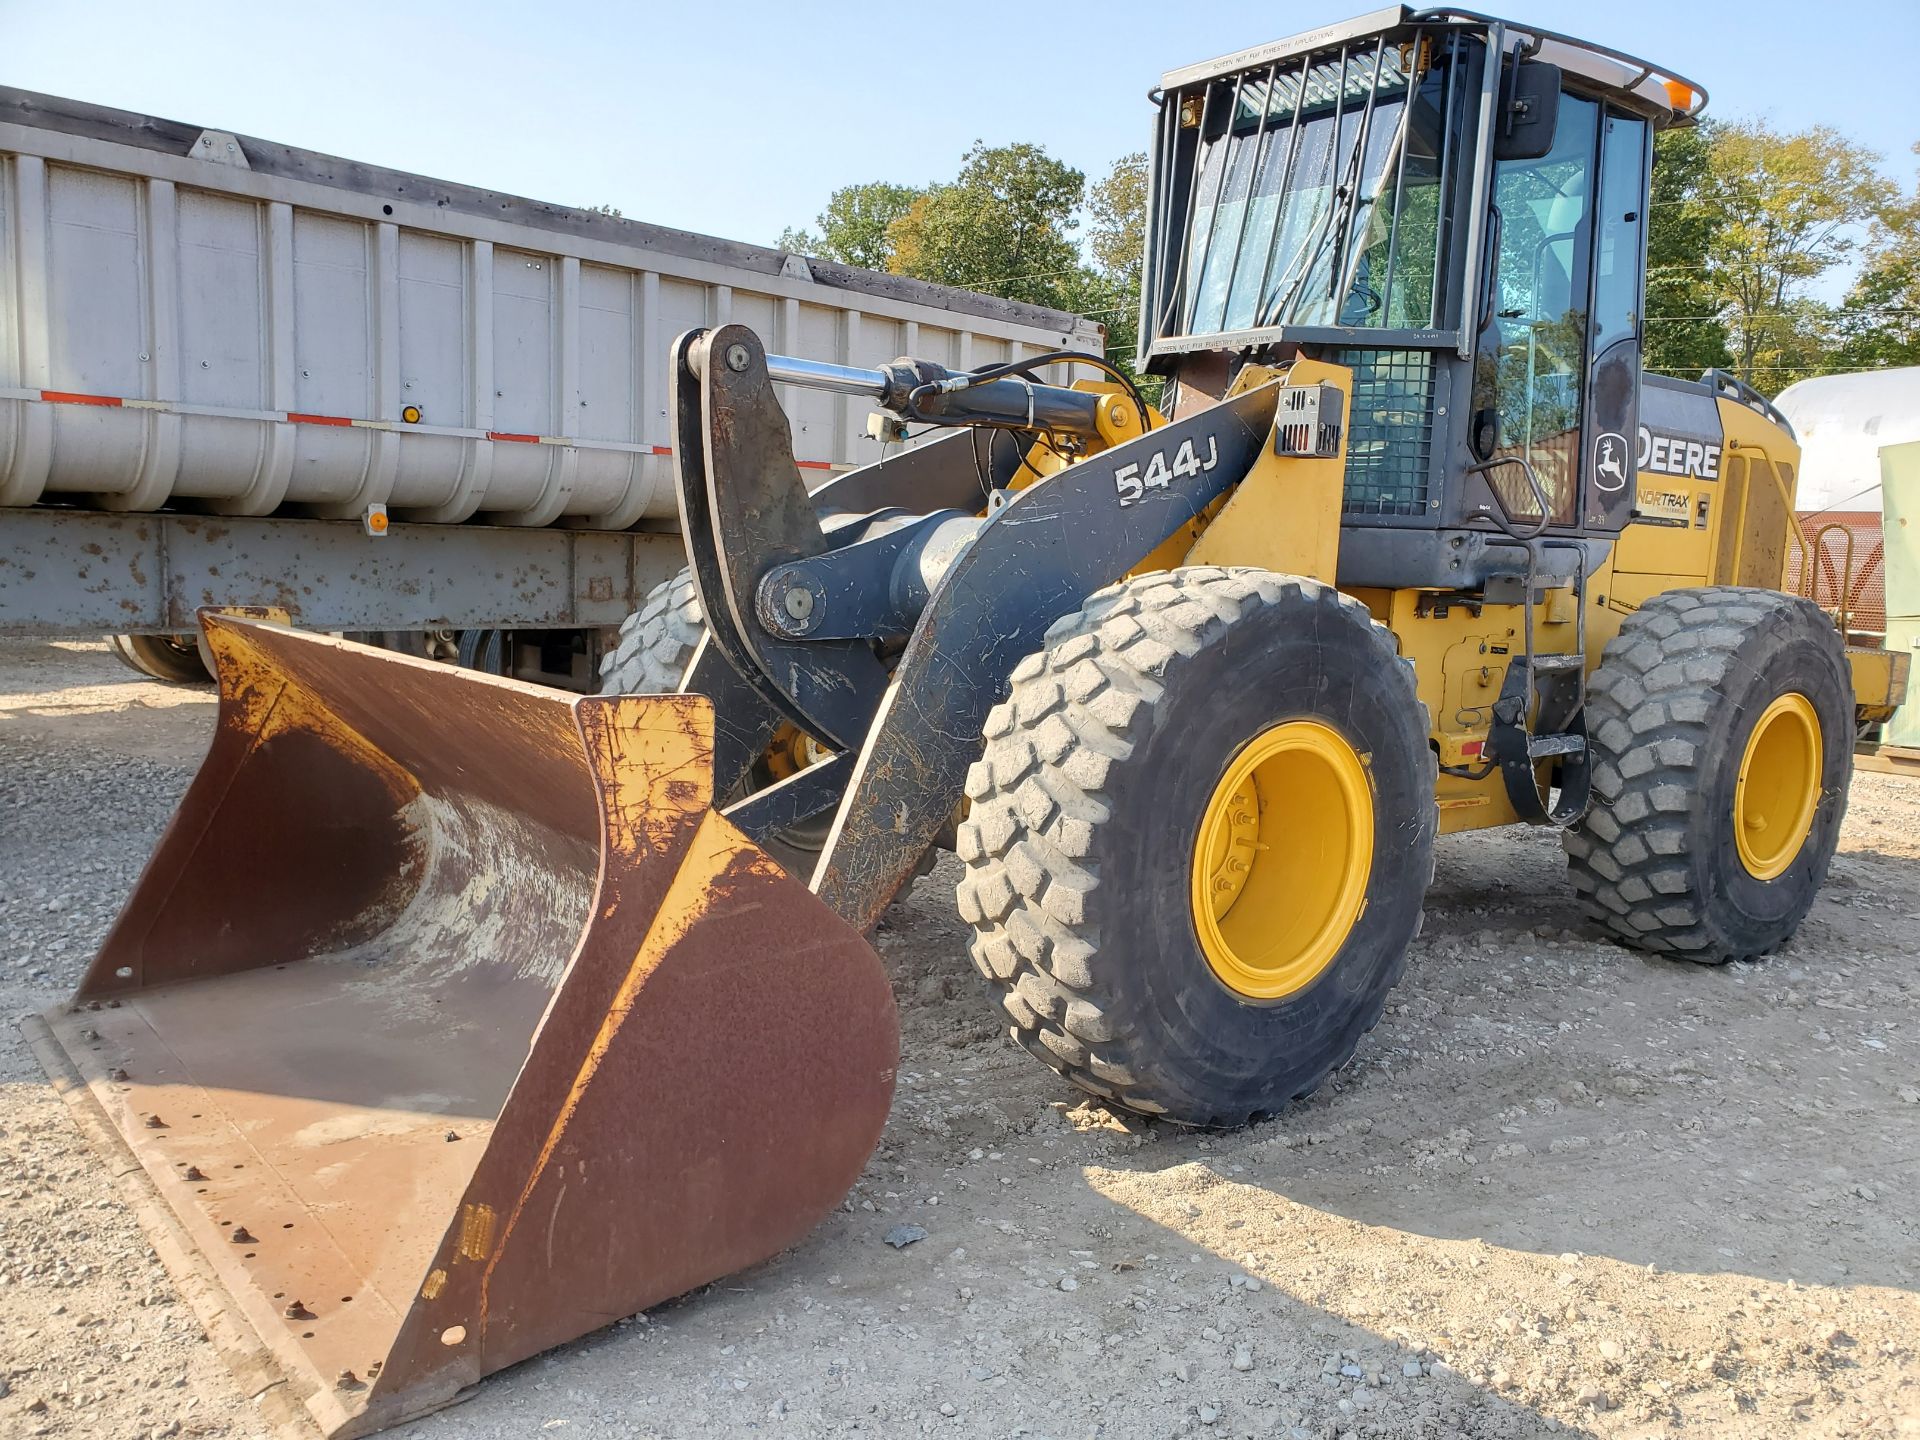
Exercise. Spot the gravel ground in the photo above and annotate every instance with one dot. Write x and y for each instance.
(1564, 1188)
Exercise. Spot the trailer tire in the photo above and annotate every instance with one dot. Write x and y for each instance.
(1721, 721)
(1180, 729)
(176, 659)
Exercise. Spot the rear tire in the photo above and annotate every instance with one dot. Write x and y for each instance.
(1672, 715)
(176, 659)
(1104, 770)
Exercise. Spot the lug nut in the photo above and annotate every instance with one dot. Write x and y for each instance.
(241, 1236)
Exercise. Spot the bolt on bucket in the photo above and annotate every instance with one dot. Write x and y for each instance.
(450, 1022)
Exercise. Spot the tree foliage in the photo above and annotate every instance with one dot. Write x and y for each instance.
(1117, 239)
(1786, 209)
(1117, 218)
(1746, 223)
(1003, 225)
(1685, 333)
(853, 227)
(1881, 324)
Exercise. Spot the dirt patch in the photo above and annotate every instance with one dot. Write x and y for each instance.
(1564, 1188)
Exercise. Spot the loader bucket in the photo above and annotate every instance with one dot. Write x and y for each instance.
(449, 1022)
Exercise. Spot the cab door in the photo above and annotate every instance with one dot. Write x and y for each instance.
(1556, 372)
(1614, 331)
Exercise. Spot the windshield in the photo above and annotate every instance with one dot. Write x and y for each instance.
(1321, 201)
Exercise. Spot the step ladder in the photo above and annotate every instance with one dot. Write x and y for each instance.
(1540, 717)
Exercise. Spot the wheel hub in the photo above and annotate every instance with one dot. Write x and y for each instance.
(1778, 789)
(1282, 859)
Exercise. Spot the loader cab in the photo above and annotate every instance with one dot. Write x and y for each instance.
(1454, 208)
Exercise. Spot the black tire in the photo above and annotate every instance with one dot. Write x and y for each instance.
(656, 642)
(655, 647)
(1670, 711)
(1085, 812)
(176, 659)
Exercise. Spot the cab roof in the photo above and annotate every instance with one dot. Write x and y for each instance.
(1669, 98)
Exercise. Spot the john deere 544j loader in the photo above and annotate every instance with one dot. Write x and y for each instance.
(454, 1018)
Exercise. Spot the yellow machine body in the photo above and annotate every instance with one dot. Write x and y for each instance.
(1285, 516)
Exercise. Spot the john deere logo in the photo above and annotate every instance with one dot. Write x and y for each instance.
(1610, 462)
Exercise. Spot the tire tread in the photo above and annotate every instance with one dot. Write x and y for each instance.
(1076, 709)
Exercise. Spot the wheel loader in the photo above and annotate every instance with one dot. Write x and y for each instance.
(453, 1018)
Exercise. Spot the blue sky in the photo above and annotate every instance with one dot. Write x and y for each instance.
(739, 120)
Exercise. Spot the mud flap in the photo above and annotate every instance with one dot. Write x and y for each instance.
(450, 1022)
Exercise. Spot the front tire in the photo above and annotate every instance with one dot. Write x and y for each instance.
(1199, 841)
(1721, 721)
(657, 644)
(656, 641)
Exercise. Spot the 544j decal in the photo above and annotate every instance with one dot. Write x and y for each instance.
(1131, 482)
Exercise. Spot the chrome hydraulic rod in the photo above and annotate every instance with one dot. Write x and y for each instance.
(819, 375)
(946, 397)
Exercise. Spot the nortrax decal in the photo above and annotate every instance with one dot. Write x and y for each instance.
(1678, 455)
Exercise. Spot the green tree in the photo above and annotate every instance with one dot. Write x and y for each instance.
(1117, 219)
(1004, 226)
(1116, 239)
(853, 228)
(1685, 333)
(1784, 211)
(1880, 325)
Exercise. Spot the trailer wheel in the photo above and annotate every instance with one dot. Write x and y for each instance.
(1721, 721)
(1199, 840)
(441, 645)
(176, 659)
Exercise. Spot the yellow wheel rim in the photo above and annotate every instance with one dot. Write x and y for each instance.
(1281, 863)
(1779, 786)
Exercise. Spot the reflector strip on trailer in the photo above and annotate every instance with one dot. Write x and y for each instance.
(69, 397)
(299, 417)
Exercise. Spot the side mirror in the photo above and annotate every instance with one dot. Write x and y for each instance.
(1529, 111)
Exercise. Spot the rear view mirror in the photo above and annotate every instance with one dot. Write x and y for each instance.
(1529, 111)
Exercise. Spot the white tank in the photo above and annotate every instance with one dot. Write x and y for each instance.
(191, 319)
(1842, 421)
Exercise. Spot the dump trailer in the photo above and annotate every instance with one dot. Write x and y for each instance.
(237, 373)
(508, 1033)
